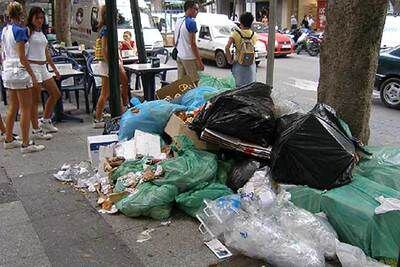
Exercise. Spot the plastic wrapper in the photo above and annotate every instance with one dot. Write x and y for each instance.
(73, 172)
(265, 239)
(351, 256)
(318, 150)
(283, 106)
(149, 200)
(192, 201)
(189, 168)
(241, 172)
(257, 194)
(245, 113)
(221, 84)
(148, 117)
(131, 166)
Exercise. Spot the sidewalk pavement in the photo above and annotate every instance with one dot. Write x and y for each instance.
(44, 222)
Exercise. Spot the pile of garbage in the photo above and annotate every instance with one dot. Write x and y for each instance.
(254, 169)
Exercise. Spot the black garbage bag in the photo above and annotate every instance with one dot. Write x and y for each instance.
(313, 149)
(241, 173)
(246, 113)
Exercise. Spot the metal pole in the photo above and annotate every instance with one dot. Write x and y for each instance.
(113, 58)
(137, 25)
(271, 43)
(234, 10)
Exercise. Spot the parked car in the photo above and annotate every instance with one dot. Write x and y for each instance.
(214, 32)
(387, 79)
(284, 45)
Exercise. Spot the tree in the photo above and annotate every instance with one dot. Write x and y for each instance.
(349, 58)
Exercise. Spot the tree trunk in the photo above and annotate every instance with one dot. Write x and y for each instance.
(349, 58)
(62, 20)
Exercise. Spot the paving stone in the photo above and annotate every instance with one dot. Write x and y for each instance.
(12, 213)
(18, 241)
(36, 260)
(7, 193)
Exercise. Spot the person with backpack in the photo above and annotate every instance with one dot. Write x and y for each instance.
(243, 60)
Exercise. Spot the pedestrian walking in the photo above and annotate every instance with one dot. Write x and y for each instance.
(39, 56)
(18, 78)
(188, 56)
(243, 60)
(293, 22)
(304, 22)
(101, 54)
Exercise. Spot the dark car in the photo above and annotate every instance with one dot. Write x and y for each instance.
(387, 79)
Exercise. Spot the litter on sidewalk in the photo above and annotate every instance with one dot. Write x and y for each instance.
(254, 169)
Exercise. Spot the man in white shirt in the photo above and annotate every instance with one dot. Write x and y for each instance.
(189, 61)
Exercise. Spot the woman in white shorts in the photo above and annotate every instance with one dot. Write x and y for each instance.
(39, 56)
(18, 79)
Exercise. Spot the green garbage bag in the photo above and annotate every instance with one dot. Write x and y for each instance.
(150, 200)
(351, 211)
(191, 201)
(189, 168)
(221, 84)
(129, 166)
(382, 167)
(224, 168)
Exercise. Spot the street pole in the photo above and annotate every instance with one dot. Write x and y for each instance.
(234, 10)
(137, 25)
(271, 43)
(113, 58)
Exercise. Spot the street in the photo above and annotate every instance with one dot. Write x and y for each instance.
(296, 78)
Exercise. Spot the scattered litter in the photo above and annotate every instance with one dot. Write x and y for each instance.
(387, 204)
(218, 249)
(112, 210)
(165, 223)
(145, 235)
(351, 256)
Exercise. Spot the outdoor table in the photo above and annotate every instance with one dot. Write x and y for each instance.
(130, 60)
(59, 113)
(149, 74)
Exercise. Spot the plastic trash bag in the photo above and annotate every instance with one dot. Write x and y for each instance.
(382, 167)
(265, 239)
(313, 149)
(189, 168)
(220, 84)
(241, 172)
(387, 205)
(257, 194)
(351, 256)
(191, 201)
(245, 113)
(135, 101)
(129, 166)
(224, 169)
(149, 200)
(194, 98)
(112, 126)
(150, 117)
(283, 106)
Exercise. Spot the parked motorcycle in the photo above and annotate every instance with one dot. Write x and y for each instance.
(310, 43)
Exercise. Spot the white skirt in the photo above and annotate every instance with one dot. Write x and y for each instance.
(15, 76)
(41, 72)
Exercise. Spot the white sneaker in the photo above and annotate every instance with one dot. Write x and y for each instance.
(31, 148)
(47, 126)
(39, 134)
(3, 137)
(98, 124)
(13, 144)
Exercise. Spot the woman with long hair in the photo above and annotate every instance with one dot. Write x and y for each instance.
(18, 78)
(103, 58)
(38, 56)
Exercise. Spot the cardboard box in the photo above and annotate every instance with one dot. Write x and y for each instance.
(176, 88)
(95, 142)
(176, 126)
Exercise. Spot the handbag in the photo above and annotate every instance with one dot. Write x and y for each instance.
(174, 53)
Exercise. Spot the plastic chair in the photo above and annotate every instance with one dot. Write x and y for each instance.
(92, 78)
(80, 82)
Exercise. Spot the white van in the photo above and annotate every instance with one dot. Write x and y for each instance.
(213, 34)
(391, 32)
(85, 16)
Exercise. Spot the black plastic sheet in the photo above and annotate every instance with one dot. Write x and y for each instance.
(313, 149)
(246, 113)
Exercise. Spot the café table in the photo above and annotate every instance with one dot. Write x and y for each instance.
(149, 74)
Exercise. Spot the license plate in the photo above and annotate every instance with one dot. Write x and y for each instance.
(286, 46)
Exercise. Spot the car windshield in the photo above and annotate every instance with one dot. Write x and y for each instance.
(222, 31)
(259, 28)
(395, 51)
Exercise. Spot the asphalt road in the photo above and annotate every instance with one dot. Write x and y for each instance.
(296, 79)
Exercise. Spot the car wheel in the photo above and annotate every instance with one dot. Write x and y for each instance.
(390, 93)
(220, 59)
